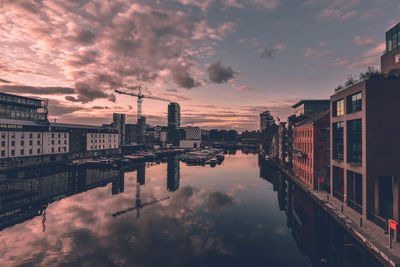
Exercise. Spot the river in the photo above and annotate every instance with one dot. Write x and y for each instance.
(238, 213)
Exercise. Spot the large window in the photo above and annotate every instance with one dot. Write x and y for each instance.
(393, 38)
(337, 140)
(354, 103)
(338, 108)
(354, 191)
(338, 183)
(354, 141)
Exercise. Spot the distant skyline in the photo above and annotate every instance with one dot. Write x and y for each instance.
(224, 62)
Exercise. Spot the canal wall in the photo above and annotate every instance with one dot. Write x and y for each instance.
(369, 235)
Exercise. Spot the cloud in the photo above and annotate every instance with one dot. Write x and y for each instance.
(336, 9)
(58, 108)
(37, 90)
(98, 45)
(270, 52)
(87, 92)
(260, 4)
(317, 54)
(218, 201)
(4, 81)
(220, 74)
(363, 41)
(183, 78)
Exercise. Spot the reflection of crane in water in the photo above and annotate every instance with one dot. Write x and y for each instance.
(139, 205)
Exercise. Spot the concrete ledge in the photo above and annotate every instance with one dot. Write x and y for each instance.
(388, 257)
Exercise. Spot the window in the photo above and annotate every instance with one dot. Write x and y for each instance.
(3, 143)
(38, 150)
(65, 135)
(13, 135)
(58, 149)
(30, 151)
(65, 142)
(338, 108)
(22, 152)
(22, 135)
(354, 141)
(354, 191)
(338, 183)
(337, 140)
(38, 135)
(12, 143)
(30, 135)
(3, 135)
(38, 142)
(52, 135)
(52, 142)
(30, 142)
(13, 152)
(3, 153)
(59, 135)
(52, 149)
(354, 103)
(59, 141)
(22, 142)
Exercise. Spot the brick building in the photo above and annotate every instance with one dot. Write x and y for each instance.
(310, 148)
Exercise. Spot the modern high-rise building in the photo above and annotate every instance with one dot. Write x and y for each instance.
(174, 123)
(266, 120)
(390, 60)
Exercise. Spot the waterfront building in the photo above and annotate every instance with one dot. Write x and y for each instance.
(88, 140)
(26, 137)
(310, 146)
(191, 137)
(390, 60)
(174, 123)
(266, 120)
(119, 125)
(365, 147)
(302, 110)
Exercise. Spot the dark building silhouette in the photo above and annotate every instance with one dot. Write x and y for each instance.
(141, 173)
(174, 124)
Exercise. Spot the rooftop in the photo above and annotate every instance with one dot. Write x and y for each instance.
(313, 118)
(312, 101)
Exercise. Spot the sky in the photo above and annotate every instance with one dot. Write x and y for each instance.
(224, 62)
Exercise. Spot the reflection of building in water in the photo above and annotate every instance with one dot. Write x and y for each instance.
(141, 173)
(318, 235)
(173, 173)
(118, 185)
(23, 199)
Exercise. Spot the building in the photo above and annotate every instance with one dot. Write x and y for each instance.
(266, 120)
(191, 137)
(282, 142)
(119, 125)
(26, 137)
(390, 60)
(302, 110)
(310, 149)
(88, 141)
(174, 123)
(365, 148)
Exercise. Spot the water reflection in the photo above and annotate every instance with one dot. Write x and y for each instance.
(167, 214)
(315, 232)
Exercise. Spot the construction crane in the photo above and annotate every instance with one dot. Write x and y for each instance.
(140, 97)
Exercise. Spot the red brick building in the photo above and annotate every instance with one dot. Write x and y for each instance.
(311, 149)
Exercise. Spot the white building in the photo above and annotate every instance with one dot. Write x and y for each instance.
(192, 137)
(101, 141)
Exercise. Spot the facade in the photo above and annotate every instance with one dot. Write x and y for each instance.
(266, 120)
(26, 137)
(302, 110)
(119, 125)
(390, 60)
(190, 137)
(101, 141)
(365, 148)
(310, 149)
(174, 123)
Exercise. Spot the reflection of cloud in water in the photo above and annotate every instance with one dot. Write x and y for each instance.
(81, 231)
(217, 201)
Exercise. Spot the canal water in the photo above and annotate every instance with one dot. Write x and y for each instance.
(238, 213)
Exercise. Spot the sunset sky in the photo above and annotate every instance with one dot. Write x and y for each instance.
(223, 61)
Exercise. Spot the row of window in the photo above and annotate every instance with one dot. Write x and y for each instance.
(354, 141)
(303, 133)
(100, 141)
(102, 147)
(354, 104)
(59, 135)
(101, 135)
(30, 151)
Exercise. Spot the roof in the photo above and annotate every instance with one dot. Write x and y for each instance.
(313, 101)
(313, 118)
(23, 122)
